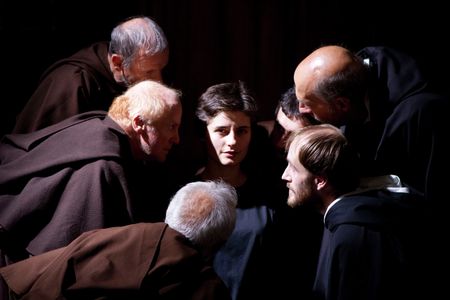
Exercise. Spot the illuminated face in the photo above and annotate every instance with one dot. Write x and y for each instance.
(229, 135)
(312, 106)
(320, 110)
(162, 134)
(145, 67)
(299, 181)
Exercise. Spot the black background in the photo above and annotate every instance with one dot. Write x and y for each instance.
(260, 42)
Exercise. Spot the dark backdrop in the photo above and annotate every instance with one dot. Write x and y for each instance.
(258, 41)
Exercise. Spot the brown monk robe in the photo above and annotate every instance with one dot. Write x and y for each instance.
(144, 260)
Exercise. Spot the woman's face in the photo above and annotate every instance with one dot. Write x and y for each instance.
(228, 135)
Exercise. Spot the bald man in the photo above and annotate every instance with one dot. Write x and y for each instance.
(381, 101)
(383, 104)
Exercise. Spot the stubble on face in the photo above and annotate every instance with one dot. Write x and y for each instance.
(302, 192)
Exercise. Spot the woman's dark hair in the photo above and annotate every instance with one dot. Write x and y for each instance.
(233, 96)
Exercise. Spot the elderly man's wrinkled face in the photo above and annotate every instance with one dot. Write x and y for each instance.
(144, 67)
(162, 134)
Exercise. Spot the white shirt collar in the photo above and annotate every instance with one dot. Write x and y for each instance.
(391, 183)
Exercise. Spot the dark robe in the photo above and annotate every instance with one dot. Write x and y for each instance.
(68, 178)
(407, 135)
(139, 261)
(80, 83)
(374, 247)
(408, 128)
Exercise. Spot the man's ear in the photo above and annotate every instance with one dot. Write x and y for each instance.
(117, 61)
(320, 182)
(343, 103)
(303, 109)
(138, 123)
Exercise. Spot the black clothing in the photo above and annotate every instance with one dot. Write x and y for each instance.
(408, 128)
(372, 248)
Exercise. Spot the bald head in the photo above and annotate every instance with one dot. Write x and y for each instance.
(323, 62)
(331, 84)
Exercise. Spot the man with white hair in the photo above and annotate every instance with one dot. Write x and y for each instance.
(94, 170)
(139, 261)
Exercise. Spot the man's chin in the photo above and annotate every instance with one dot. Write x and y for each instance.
(292, 202)
(156, 159)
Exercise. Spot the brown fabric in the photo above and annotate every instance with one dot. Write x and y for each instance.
(130, 262)
(80, 83)
(51, 178)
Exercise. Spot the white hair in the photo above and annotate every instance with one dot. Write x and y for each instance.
(204, 212)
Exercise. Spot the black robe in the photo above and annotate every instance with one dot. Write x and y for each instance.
(77, 84)
(374, 247)
(139, 261)
(408, 128)
(407, 135)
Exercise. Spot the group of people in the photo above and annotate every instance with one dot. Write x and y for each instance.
(161, 260)
(350, 170)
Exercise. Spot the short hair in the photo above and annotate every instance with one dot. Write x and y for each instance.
(351, 82)
(324, 151)
(204, 212)
(232, 96)
(146, 98)
(289, 104)
(137, 35)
